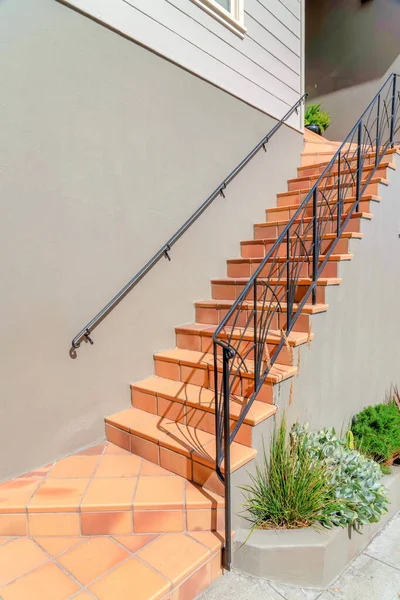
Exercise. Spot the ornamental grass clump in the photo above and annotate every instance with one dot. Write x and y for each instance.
(376, 432)
(291, 489)
(314, 479)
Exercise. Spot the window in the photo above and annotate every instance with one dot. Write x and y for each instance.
(228, 12)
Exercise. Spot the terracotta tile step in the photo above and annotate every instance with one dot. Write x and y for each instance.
(317, 156)
(199, 337)
(320, 166)
(331, 192)
(260, 248)
(195, 406)
(180, 448)
(105, 490)
(197, 368)
(285, 213)
(165, 566)
(206, 331)
(275, 266)
(304, 226)
(214, 311)
(230, 288)
(308, 181)
(193, 396)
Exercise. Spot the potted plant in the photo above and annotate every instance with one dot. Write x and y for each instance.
(315, 119)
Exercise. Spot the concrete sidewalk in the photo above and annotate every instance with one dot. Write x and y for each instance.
(374, 575)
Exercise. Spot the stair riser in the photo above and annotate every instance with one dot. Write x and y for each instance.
(274, 231)
(205, 344)
(278, 321)
(303, 184)
(260, 250)
(231, 292)
(245, 318)
(187, 415)
(287, 213)
(304, 270)
(297, 198)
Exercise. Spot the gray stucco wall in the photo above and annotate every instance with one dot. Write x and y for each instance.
(355, 355)
(105, 150)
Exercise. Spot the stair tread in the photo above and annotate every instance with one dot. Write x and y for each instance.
(355, 215)
(331, 186)
(259, 259)
(333, 202)
(324, 281)
(382, 165)
(183, 439)
(326, 236)
(307, 308)
(325, 163)
(203, 398)
(295, 338)
(204, 360)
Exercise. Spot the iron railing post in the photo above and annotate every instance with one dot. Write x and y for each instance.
(218, 441)
(378, 116)
(256, 354)
(288, 290)
(339, 204)
(315, 249)
(359, 169)
(392, 120)
(227, 459)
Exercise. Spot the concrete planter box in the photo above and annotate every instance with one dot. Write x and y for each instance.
(306, 557)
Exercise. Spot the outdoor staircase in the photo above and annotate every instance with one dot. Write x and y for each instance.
(152, 491)
(172, 419)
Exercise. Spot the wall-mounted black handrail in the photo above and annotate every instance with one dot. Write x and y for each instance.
(84, 334)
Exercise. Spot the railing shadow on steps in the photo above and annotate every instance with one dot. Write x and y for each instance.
(164, 251)
(273, 298)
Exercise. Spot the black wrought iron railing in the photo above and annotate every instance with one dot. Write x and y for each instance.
(273, 298)
(163, 252)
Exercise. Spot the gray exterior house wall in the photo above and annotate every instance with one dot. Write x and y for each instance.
(105, 150)
(264, 68)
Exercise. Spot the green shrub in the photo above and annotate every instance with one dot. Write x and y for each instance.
(314, 479)
(355, 478)
(315, 116)
(376, 432)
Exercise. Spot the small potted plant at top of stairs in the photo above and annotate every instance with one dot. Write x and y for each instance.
(315, 119)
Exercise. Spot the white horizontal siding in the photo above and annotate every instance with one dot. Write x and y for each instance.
(263, 68)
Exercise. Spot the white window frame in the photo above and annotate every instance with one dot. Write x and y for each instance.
(234, 19)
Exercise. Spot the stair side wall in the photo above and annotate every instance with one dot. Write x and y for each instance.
(355, 354)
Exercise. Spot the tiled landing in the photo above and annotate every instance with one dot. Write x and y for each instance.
(108, 525)
(170, 566)
(105, 490)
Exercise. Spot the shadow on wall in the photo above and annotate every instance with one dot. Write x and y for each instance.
(349, 42)
(347, 105)
(351, 48)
